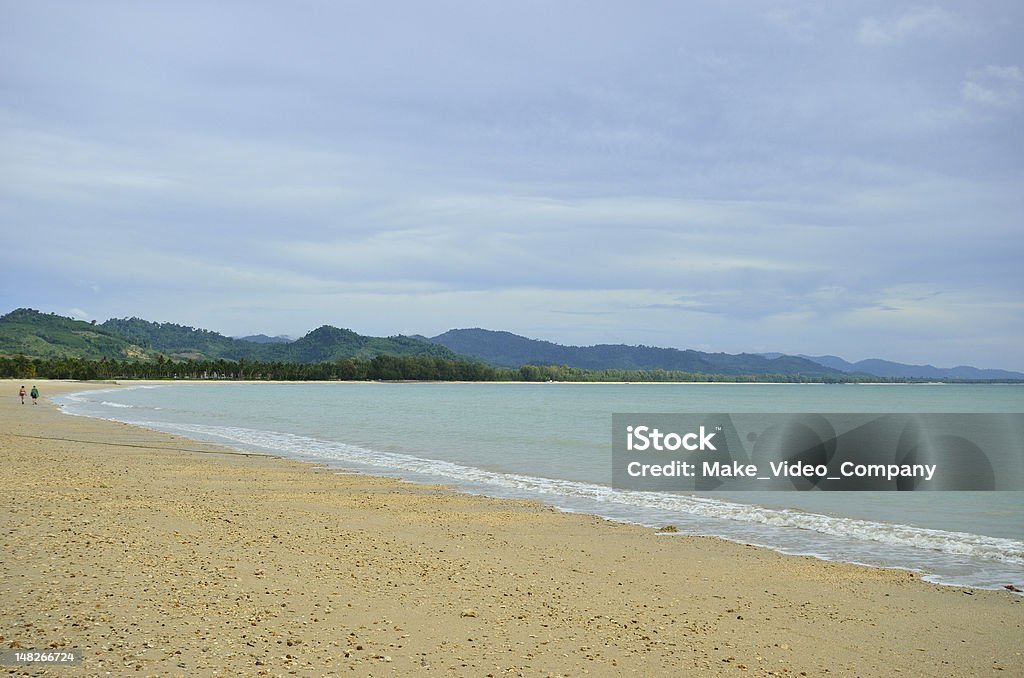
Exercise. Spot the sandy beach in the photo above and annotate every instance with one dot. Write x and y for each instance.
(158, 555)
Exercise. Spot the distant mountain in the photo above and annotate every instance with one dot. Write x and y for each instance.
(504, 349)
(46, 335)
(876, 367)
(264, 339)
(38, 335)
(886, 368)
(833, 361)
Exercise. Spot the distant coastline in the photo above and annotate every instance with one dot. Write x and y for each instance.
(390, 369)
(50, 345)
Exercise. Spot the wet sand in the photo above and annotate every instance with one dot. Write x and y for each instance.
(158, 555)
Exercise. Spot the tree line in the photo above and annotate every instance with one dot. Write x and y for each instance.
(380, 368)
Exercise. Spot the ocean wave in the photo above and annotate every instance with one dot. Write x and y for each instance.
(86, 398)
(551, 489)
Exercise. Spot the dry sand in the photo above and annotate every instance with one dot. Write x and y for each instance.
(157, 555)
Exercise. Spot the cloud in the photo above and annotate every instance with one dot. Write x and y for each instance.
(987, 96)
(681, 174)
(947, 316)
(994, 87)
(800, 23)
(917, 23)
(51, 166)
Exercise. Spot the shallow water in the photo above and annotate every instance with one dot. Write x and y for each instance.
(553, 442)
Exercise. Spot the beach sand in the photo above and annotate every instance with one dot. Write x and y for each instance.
(158, 555)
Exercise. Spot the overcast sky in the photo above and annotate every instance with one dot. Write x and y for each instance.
(803, 177)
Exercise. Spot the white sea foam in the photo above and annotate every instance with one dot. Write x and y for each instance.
(553, 490)
(88, 396)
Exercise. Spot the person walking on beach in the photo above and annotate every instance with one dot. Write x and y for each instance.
(22, 394)
(35, 395)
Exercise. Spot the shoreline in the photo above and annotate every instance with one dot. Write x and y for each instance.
(157, 382)
(537, 590)
(943, 572)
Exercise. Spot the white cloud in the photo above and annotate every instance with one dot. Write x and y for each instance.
(683, 174)
(986, 95)
(922, 22)
(799, 23)
(51, 166)
(994, 87)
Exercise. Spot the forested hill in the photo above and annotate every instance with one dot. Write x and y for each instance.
(331, 343)
(323, 344)
(504, 349)
(46, 335)
(41, 335)
(180, 341)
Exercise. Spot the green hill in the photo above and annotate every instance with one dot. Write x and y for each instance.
(34, 334)
(180, 341)
(38, 335)
(46, 335)
(331, 343)
(323, 344)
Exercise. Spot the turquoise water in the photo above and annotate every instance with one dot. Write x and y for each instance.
(552, 442)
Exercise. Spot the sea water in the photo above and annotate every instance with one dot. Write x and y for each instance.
(552, 442)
